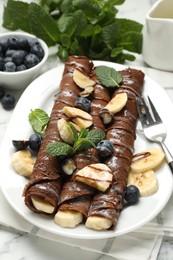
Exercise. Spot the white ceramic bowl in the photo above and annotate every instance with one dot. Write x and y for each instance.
(21, 79)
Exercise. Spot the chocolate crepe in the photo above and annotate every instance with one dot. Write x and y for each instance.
(122, 135)
(46, 182)
(76, 195)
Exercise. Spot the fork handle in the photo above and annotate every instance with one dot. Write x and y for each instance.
(168, 155)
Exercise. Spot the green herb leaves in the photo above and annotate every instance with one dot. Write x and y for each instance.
(59, 149)
(78, 27)
(86, 139)
(31, 18)
(38, 120)
(109, 77)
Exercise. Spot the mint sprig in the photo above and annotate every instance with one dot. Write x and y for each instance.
(86, 139)
(108, 76)
(78, 27)
(38, 120)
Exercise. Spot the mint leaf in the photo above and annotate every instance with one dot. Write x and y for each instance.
(130, 41)
(88, 139)
(72, 23)
(75, 132)
(110, 34)
(15, 16)
(109, 77)
(59, 149)
(38, 120)
(95, 136)
(127, 25)
(83, 133)
(42, 24)
(83, 144)
(116, 51)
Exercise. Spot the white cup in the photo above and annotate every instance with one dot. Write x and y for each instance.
(157, 47)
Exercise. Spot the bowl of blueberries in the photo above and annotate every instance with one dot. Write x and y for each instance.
(22, 56)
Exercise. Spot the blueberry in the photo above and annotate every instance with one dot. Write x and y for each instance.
(37, 50)
(34, 41)
(12, 42)
(35, 142)
(21, 67)
(8, 102)
(22, 44)
(83, 103)
(9, 66)
(20, 144)
(2, 91)
(105, 148)
(18, 56)
(132, 194)
(1, 63)
(31, 60)
(4, 45)
(7, 59)
(9, 53)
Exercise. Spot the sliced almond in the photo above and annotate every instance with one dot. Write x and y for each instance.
(97, 175)
(82, 80)
(78, 116)
(117, 103)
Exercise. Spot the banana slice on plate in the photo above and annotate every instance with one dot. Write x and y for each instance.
(147, 182)
(98, 223)
(42, 205)
(147, 160)
(68, 218)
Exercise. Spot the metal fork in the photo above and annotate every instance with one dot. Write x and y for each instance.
(153, 127)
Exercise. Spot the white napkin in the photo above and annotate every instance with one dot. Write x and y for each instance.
(145, 242)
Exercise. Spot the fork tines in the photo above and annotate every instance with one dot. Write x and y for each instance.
(154, 111)
(144, 113)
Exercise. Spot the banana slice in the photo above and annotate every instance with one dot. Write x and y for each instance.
(68, 218)
(65, 131)
(97, 175)
(117, 103)
(82, 80)
(98, 223)
(78, 116)
(23, 162)
(147, 182)
(42, 205)
(147, 160)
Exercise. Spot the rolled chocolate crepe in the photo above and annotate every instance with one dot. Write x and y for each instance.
(43, 190)
(106, 207)
(76, 197)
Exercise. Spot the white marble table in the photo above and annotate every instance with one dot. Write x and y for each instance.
(18, 245)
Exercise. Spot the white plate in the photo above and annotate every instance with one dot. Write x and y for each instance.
(40, 94)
